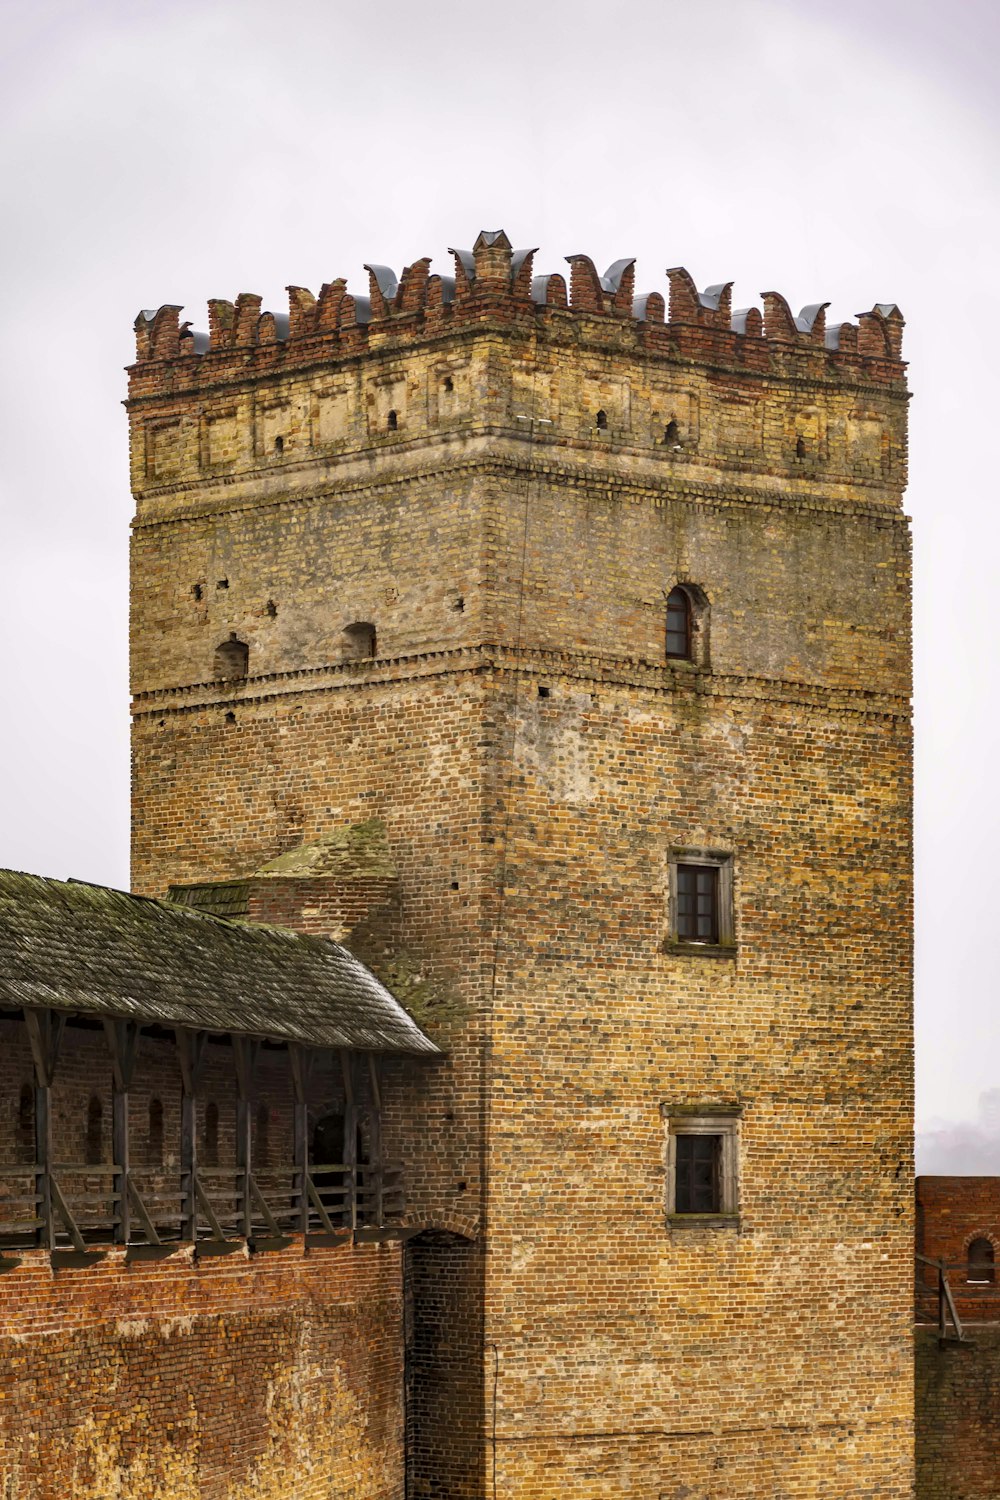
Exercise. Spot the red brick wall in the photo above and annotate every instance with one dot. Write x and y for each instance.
(218, 1379)
(951, 1213)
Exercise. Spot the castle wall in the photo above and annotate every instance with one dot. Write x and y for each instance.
(535, 761)
(211, 1379)
(957, 1436)
(952, 1213)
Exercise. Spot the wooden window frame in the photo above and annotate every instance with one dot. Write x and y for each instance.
(688, 653)
(724, 942)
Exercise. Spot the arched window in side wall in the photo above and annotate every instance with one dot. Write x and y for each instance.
(232, 660)
(94, 1145)
(361, 640)
(679, 624)
(982, 1262)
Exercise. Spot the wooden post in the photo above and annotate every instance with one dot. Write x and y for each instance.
(376, 1139)
(45, 1031)
(350, 1138)
(123, 1041)
(191, 1057)
(245, 1053)
(301, 1066)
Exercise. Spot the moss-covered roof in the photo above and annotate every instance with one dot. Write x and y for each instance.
(95, 951)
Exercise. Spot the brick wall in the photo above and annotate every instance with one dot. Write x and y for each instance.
(534, 760)
(203, 1380)
(952, 1213)
(958, 1396)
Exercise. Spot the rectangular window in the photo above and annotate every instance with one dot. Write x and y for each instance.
(698, 1178)
(698, 903)
(700, 911)
(702, 1164)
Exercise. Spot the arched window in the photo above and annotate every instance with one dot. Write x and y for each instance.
(800, 447)
(156, 1131)
(262, 1145)
(232, 660)
(94, 1144)
(982, 1261)
(361, 640)
(210, 1143)
(679, 624)
(26, 1122)
(602, 420)
(393, 421)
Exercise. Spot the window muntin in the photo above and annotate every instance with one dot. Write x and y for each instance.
(679, 624)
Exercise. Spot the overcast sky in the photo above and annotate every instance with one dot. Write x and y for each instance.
(840, 150)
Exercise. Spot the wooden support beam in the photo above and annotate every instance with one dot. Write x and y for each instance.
(301, 1064)
(45, 1029)
(350, 1137)
(123, 1042)
(191, 1058)
(374, 1170)
(245, 1052)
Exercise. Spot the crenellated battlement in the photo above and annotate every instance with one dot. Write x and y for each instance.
(495, 282)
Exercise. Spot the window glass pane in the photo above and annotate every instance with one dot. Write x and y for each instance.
(697, 1187)
(678, 624)
(697, 902)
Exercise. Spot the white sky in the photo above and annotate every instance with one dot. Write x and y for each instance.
(167, 152)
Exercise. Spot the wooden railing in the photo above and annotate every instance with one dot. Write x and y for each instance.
(72, 1210)
(934, 1299)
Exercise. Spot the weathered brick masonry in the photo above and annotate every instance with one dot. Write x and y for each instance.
(958, 1382)
(408, 564)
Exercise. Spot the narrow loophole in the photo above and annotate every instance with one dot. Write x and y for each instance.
(393, 421)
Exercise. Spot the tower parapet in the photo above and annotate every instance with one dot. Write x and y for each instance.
(495, 281)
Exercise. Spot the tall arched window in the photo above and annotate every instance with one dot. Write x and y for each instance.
(982, 1261)
(210, 1143)
(156, 1132)
(679, 624)
(94, 1145)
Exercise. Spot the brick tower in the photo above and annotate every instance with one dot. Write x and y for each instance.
(550, 644)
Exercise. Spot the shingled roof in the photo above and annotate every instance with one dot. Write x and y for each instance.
(94, 951)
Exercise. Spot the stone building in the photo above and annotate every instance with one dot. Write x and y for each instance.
(547, 644)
